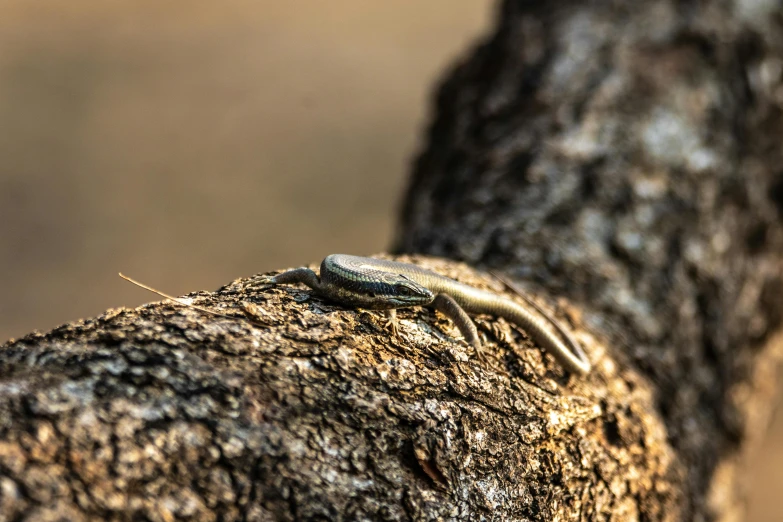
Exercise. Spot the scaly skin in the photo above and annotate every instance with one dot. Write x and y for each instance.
(378, 284)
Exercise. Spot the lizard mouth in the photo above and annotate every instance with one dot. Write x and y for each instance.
(417, 300)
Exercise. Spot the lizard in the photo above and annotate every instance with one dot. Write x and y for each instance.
(379, 284)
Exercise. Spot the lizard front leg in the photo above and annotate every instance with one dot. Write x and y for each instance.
(391, 321)
(297, 275)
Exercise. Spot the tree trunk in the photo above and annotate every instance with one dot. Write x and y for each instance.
(624, 160)
(627, 156)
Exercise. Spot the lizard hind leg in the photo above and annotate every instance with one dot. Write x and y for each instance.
(446, 305)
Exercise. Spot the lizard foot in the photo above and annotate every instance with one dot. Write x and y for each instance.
(262, 280)
(391, 322)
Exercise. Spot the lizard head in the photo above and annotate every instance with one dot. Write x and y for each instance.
(403, 291)
(384, 291)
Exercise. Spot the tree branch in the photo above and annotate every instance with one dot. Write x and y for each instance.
(624, 161)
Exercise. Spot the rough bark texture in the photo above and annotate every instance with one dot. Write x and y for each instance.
(319, 414)
(628, 156)
(624, 157)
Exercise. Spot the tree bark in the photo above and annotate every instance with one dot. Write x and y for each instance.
(627, 156)
(621, 158)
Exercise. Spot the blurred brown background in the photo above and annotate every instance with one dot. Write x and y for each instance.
(188, 143)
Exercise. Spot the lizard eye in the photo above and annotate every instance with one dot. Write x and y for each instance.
(404, 290)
